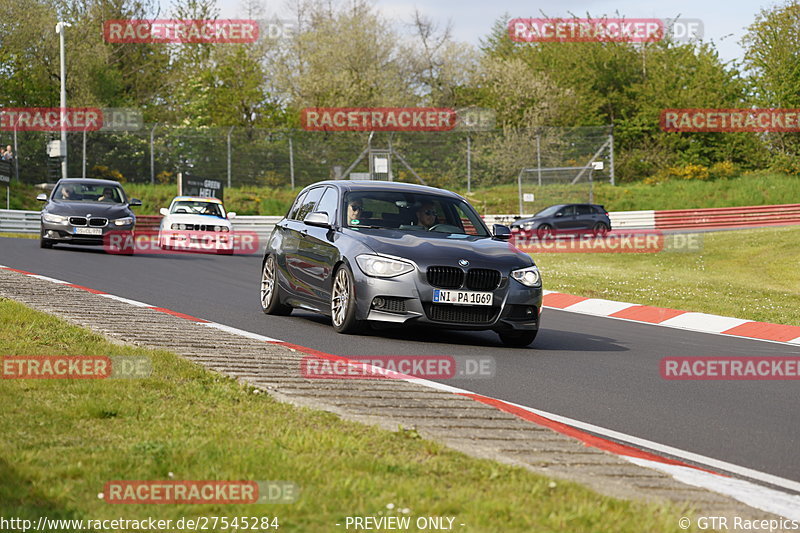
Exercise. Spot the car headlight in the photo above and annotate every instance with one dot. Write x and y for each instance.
(224, 228)
(178, 226)
(530, 276)
(124, 221)
(54, 219)
(382, 267)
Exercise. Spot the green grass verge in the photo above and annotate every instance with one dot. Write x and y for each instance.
(60, 441)
(749, 189)
(750, 274)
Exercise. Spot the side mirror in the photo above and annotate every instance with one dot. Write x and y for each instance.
(317, 218)
(231, 215)
(42, 197)
(501, 232)
(560, 214)
(164, 211)
(135, 202)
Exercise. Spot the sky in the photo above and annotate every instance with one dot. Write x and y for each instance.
(724, 21)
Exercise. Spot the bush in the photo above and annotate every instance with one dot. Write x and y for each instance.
(722, 170)
(786, 163)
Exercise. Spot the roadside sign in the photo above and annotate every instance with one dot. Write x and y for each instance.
(527, 197)
(197, 186)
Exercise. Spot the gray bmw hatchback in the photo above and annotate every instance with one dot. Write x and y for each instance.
(366, 252)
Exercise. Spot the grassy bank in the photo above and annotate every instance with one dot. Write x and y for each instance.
(749, 274)
(60, 441)
(752, 189)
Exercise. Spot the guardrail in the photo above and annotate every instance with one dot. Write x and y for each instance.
(728, 217)
(16, 221)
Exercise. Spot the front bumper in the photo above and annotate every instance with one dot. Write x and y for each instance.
(65, 234)
(196, 240)
(408, 299)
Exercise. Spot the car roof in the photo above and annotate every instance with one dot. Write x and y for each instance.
(89, 181)
(197, 199)
(384, 186)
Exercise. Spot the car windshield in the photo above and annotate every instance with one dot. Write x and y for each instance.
(89, 192)
(548, 211)
(196, 207)
(411, 212)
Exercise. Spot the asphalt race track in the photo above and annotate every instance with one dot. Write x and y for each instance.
(593, 369)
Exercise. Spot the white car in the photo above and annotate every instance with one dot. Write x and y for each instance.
(194, 223)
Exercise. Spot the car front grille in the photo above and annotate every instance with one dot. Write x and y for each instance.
(461, 314)
(445, 277)
(482, 279)
(98, 222)
(198, 227)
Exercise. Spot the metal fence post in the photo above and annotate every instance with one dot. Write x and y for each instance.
(152, 155)
(538, 157)
(291, 161)
(611, 154)
(83, 163)
(469, 164)
(229, 157)
(16, 155)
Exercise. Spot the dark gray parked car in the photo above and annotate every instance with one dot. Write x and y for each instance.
(393, 253)
(83, 211)
(566, 219)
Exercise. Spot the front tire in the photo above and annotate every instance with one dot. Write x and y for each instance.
(45, 243)
(270, 297)
(517, 339)
(343, 303)
(545, 231)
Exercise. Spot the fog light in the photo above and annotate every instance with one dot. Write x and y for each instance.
(377, 303)
(51, 234)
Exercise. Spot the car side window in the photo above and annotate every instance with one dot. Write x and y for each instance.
(296, 207)
(310, 202)
(328, 203)
(585, 210)
(568, 211)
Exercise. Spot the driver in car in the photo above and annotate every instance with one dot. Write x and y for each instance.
(354, 209)
(426, 215)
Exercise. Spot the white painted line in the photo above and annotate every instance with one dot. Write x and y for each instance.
(240, 332)
(125, 300)
(795, 341)
(703, 322)
(52, 280)
(669, 450)
(598, 306)
(766, 499)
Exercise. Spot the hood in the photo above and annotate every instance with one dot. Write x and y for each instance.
(95, 209)
(431, 248)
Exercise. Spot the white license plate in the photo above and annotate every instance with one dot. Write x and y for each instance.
(88, 231)
(462, 297)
